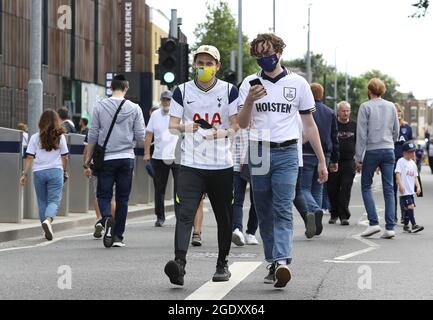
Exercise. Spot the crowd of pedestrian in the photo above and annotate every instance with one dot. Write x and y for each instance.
(274, 134)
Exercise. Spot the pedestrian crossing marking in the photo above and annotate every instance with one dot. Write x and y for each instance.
(218, 290)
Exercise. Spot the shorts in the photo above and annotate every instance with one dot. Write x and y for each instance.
(406, 201)
(94, 181)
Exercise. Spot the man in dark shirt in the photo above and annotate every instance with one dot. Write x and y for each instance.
(326, 122)
(340, 182)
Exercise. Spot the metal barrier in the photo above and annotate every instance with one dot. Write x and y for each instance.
(78, 183)
(11, 194)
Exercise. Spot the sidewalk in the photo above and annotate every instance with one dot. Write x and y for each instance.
(32, 228)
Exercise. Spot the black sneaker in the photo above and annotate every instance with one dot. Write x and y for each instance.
(159, 223)
(175, 270)
(332, 221)
(310, 225)
(319, 226)
(222, 272)
(109, 232)
(345, 222)
(118, 243)
(270, 278)
(406, 228)
(282, 276)
(196, 240)
(99, 229)
(416, 228)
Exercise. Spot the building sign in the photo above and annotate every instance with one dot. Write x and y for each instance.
(128, 36)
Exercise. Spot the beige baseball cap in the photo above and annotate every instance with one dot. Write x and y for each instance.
(211, 50)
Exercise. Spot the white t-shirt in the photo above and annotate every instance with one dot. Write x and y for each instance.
(215, 105)
(46, 159)
(408, 173)
(165, 142)
(274, 117)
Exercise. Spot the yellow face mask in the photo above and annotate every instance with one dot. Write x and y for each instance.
(206, 74)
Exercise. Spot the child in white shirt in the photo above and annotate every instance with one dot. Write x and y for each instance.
(406, 173)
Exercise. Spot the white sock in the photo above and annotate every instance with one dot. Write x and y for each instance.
(282, 262)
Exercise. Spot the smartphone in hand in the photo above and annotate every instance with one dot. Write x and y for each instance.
(256, 82)
(203, 124)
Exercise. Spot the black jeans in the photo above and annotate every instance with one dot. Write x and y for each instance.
(192, 184)
(430, 161)
(162, 171)
(340, 189)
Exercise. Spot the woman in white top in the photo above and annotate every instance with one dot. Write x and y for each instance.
(47, 156)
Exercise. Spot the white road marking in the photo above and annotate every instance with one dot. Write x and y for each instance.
(356, 253)
(45, 244)
(362, 262)
(218, 290)
(371, 245)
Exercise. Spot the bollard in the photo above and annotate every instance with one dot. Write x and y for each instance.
(11, 196)
(78, 183)
(139, 186)
(170, 185)
(64, 205)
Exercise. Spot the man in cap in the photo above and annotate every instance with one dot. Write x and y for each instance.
(162, 159)
(205, 109)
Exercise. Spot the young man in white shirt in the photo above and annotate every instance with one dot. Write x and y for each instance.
(163, 158)
(270, 110)
(207, 164)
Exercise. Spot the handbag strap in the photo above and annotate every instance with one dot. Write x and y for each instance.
(113, 123)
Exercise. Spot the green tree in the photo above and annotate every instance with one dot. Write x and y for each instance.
(220, 30)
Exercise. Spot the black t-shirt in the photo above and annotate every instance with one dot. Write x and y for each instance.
(347, 139)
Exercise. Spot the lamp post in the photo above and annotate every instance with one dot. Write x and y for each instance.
(309, 73)
(274, 11)
(240, 44)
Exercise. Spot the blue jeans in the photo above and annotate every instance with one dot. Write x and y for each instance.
(384, 159)
(117, 172)
(240, 187)
(273, 194)
(48, 186)
(310, 187)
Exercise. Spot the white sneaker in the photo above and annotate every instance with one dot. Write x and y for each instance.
(251, 240)
(238, 238)
(388, 234)
(371, 230)
(48, 229)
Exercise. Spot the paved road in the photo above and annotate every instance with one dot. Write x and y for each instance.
(336, 265)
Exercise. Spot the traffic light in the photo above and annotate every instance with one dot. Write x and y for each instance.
(166, 70)
(183, 58)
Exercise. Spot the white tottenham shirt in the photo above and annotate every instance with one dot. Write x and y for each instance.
(44, 159)
(274, 117)
(408, 173)
(165, 142)
(215, 105)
